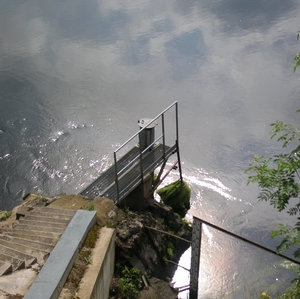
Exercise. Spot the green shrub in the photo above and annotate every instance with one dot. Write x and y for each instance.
(4, 215)
(130, 283)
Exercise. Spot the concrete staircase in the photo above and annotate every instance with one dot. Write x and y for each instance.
(32, 238)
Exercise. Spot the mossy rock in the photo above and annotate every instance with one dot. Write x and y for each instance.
(176, 195)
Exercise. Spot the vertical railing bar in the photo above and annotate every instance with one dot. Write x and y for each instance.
(141, 161)
(177, 128)
(179, 162)
(177, 141)
(163, 133)
(116, 176)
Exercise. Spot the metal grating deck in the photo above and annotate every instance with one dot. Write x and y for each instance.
(129, 169)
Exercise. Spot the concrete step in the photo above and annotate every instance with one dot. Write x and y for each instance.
(44, 213)
(34, 244)
(43, 223)
(35, 228)
(56, 213)
(41, 255)
(20, 231)
(5, 268)
(60, 219)
(13, 253)
(16, 263)
(51, 240)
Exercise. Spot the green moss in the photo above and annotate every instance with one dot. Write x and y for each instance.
(90, 206)
(176, 195)
(92, 237)
(170, 252)
(4, 215)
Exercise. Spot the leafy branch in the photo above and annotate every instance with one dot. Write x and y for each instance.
(297, 57)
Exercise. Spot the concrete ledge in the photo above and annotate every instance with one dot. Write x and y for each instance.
(96, 281)
(55, 271)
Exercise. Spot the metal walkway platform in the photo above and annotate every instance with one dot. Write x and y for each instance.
(130, 169)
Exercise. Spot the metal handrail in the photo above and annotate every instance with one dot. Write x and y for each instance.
(142, 152)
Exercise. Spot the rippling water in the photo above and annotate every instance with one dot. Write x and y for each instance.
(75, 77)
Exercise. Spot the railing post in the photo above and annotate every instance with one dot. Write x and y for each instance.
(116, 176)
(195, 258)
(141, 161)
(177, 126)
(163, 133)
(179, 162)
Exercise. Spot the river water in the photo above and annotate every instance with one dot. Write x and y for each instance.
(75, 76)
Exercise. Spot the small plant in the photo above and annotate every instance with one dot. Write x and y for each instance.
(88, 259)
(92, 236)
(4, 215)
(130, 283)
(90, 206)
(170, 251)
(75, 296)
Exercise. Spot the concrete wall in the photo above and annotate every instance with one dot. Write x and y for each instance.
(97, 278)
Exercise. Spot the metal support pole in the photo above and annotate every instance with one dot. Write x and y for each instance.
(195, 258)
(163, 133)
(177, 126)
(141, 162)
(116, 177)
(179, 162)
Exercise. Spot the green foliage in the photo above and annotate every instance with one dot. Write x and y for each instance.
(291, 293)
(130, 283)
(170, 250)
(90, 206)
(92, 236)
(297, 57)
(4, 215)
(278, 176)
(279, 179)
(291, 237)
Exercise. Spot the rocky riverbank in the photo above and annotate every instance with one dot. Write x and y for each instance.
(150, 241)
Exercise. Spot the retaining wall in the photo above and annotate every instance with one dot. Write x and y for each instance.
(98, 275)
